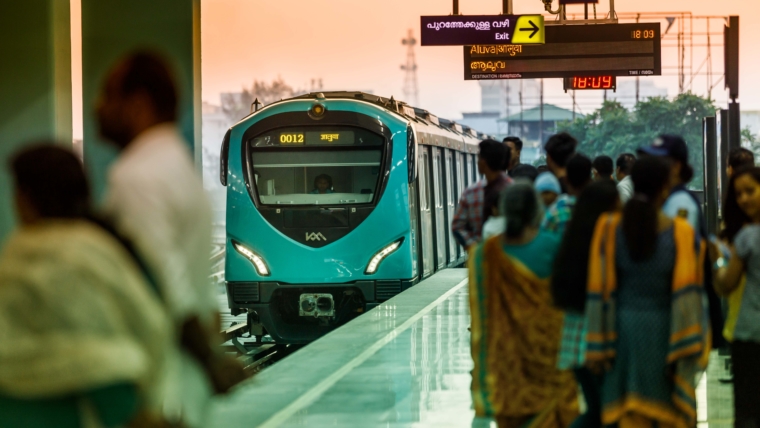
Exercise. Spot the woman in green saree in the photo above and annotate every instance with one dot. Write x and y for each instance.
(515, 328)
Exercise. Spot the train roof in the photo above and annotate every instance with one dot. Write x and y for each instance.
(415, 113)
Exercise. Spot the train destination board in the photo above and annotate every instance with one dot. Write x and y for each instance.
(459, 30)
(571, 50)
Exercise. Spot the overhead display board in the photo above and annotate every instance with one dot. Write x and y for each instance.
(460, 30)
(570, 51)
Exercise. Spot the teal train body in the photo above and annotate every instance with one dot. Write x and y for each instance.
(337, 202)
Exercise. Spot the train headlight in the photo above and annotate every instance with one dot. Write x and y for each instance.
(381, 255)
(255, 259)
(317, 111)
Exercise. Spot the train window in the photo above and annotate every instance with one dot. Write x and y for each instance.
(291, 172)
(460, 175)
(439, 164)
(424, 187)
(450, 178)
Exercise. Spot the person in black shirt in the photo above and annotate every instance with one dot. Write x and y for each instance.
(514, 145)
(603, 168)
(559, 149)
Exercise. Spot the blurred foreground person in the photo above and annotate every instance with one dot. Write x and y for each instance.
(548, 187)
(739, 278)
(157, 199)
(515, 145)
(578, 177)
(603, 168)
(83, 335)
(647, 325)
(624, 164)
(472, 211)
(568, 285)
(739, 158)
(515, 329)
(559, 149)
(683, 203)
(524, 170)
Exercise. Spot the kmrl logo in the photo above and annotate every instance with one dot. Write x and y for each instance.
(315, 237)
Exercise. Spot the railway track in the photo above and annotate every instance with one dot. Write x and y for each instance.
(255, 356)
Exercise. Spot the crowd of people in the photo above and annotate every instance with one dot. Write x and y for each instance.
(594, 288)
(107, 317)
(584, 274)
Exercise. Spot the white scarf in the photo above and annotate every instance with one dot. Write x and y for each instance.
(76, 313)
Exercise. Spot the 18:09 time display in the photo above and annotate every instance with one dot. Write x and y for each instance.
(642, 34)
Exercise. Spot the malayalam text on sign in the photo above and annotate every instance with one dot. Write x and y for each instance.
(460, 30)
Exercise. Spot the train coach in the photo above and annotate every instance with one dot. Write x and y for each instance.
(337, 202)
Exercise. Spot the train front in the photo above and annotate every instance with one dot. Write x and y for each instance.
(318, 221)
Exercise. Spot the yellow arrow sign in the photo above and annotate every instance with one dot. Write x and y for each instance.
(529, 30)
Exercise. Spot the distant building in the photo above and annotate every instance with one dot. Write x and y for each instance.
(486, 122)
(504, 96)
(499, 99)
(214, 124)
(528, 124)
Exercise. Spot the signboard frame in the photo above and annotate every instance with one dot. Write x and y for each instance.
(461, 30)
(572, 50)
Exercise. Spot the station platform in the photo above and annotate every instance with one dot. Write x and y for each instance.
(406, 363)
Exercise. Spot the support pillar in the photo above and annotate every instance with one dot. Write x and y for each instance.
(111, 30)
(35, 84)
(711, 167)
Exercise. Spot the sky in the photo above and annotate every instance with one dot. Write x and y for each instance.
(356, 45)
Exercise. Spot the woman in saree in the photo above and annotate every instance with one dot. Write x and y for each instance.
(647, 326)
(568, 285)
(83, 335)
(515, 329)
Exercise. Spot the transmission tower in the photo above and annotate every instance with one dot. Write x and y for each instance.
(410, 78)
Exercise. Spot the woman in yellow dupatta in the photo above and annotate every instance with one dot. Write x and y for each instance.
(647, 323)
(515, 328)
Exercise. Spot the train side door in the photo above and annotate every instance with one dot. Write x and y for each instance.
(450, 180)
(439, 214)
(426, 217)
(474, 170)
(461, 185)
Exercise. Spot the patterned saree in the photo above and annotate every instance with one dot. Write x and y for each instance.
(689, 337)
(514, 344)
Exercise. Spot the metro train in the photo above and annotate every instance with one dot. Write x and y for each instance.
(337, 202)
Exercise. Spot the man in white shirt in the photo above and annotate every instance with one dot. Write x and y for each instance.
(624, 164)
(156, 198)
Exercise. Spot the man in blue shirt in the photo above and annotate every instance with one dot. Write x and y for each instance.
(681, 202)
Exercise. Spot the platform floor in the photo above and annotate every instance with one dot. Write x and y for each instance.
(405, 364)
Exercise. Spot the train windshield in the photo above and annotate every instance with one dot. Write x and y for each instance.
(316, 165)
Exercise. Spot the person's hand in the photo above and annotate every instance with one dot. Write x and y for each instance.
(714, 251)
(598, 367)
(225, 372)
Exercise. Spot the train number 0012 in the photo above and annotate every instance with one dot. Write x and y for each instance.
(291, 138)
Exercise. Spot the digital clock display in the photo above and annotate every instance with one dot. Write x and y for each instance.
(590, 82)
(642, 34)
